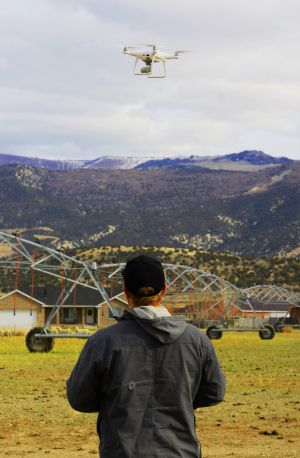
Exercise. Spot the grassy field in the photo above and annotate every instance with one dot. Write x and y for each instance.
(258, 418)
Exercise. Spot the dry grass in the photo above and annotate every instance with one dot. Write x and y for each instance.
(258, 418)
(45, 237)
(8, 332)
(5, 250)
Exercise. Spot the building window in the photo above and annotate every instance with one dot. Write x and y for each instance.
(69, 315)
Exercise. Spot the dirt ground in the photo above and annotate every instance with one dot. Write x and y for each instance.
(260, 417)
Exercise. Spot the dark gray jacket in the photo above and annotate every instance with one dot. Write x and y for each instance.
(145, 377)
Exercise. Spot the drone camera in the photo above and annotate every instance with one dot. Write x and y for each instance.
(146, 69)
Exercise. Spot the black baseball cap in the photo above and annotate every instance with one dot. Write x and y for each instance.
(144, 271)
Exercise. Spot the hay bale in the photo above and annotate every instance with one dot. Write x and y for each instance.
(19, 332)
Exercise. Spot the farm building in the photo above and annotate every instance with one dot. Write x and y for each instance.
(80, 308)
(119, 304)
(267, 310)
(21, 310)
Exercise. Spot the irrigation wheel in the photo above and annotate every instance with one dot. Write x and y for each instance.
(267, 332)
(213, 332)
(38, 344)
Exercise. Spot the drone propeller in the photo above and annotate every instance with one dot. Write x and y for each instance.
(129, 47)
(180, 51)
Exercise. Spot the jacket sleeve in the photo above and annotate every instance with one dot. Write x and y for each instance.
(84, 384)
(212, 387)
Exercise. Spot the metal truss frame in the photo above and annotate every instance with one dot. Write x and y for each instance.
(265, 294)
(26, 254)
(180, 279)
(271, 293)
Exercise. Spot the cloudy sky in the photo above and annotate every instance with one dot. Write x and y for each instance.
(67, 91)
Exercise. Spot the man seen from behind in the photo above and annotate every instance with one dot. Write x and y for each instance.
(146, 374)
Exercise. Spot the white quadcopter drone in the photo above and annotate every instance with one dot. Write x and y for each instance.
(149, 57)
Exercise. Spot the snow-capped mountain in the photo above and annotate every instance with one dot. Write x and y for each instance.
(243, 161)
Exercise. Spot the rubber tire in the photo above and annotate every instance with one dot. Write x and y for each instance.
(278, 327)
(213, 333)
(267, 333)
(36, 345)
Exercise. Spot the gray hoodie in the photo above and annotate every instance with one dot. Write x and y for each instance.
(144, 376)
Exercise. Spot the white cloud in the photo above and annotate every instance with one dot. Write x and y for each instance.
(67, 90)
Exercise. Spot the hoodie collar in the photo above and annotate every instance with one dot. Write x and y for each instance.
(166, 329)
(150, 312)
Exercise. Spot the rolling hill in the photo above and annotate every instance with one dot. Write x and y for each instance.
(253, 213)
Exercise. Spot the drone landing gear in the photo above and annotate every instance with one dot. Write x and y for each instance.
(147, 70)
(163, 75)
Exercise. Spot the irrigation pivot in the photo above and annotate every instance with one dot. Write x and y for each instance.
(200, 297)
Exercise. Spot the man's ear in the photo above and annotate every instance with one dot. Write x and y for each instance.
(128, 297)
(165, 289)
(126, 292)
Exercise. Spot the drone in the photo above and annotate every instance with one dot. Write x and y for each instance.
(149, 57)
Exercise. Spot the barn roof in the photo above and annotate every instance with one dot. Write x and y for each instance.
(271, 306)
(80, 297)
(22, 293)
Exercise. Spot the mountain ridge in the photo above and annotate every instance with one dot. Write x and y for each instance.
(248, 160)
(256, 157)
(50, 164)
